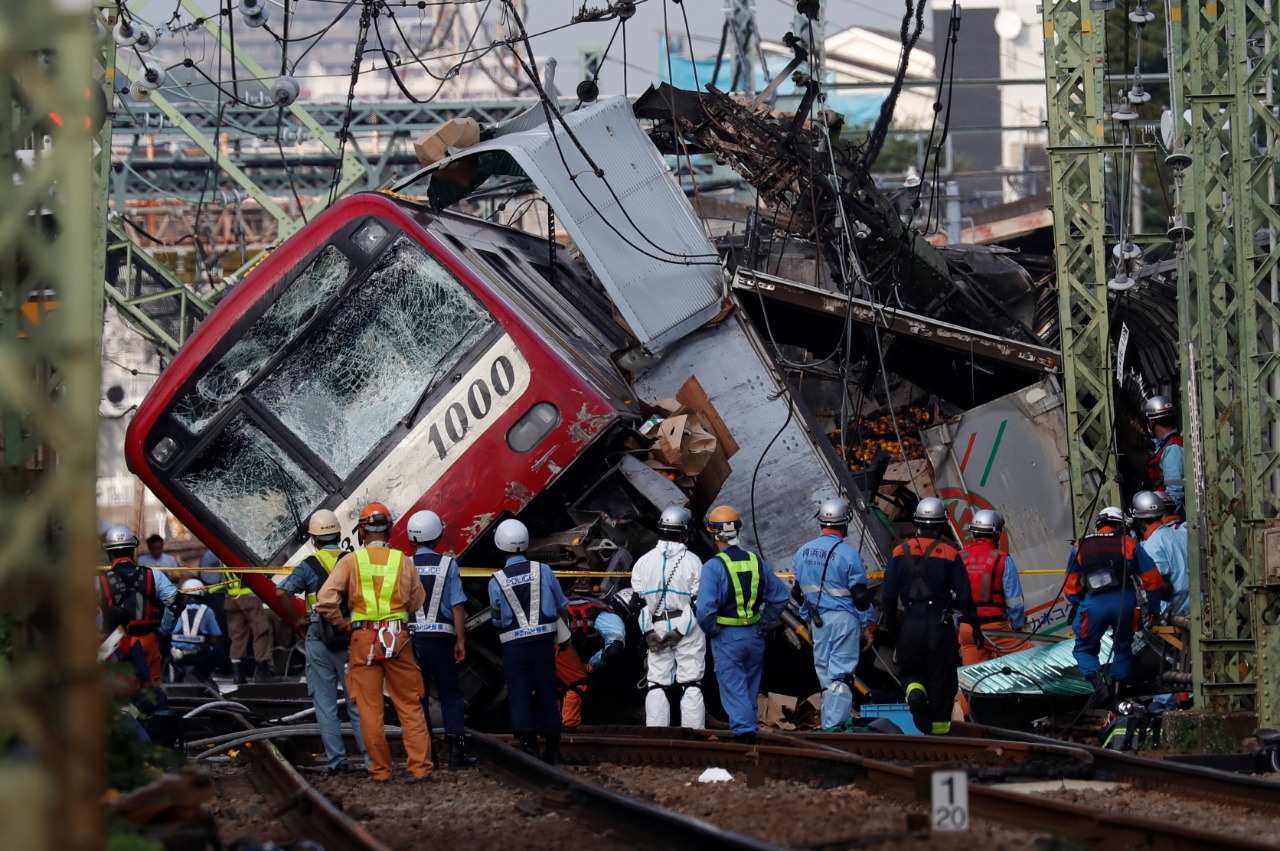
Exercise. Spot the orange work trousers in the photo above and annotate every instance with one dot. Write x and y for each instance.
(404, 683)
(150, 644)
(993, 648)
(572, 673)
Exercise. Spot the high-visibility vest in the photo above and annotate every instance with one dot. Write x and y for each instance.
(746, 597)
(136, 595)
(433, 573)
(320, 560)
(236, 588)
(377, 605)
(523, 593)
(985, 565)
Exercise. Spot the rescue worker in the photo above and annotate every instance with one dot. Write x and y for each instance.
(326, 646)
(526, 602)
(1164, 539)
(666, 578)
(247, 619)
(1098, 587)
(927, 576)
(196, 642)
(380, 590)
(1166, 463)
(143, 592)
(595, 631)
(129, 674)
(439, 639)
(739, 597)
(837, 602)
(996, 590)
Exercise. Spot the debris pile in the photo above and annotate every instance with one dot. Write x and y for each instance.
(869, 436)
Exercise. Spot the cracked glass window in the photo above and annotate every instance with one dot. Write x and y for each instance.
(267, 336)
(253, 486)
(393, 338)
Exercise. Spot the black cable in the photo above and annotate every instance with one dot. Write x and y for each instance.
(449, 75)
(784, 392)
(910, 35)
(361, 39)
(724, 42)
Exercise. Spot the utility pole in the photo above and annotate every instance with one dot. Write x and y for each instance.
(50, 685)
(1228, 66)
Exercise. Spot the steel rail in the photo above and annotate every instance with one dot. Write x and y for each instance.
(1178, 778)
(912, 783)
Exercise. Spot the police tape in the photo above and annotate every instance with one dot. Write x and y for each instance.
(483, 572)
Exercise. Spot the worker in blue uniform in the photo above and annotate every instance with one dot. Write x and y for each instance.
(1099, 586)
(1167, 461)
(927, 577)
(837, 602)
(439, 637)
(739, 597)
(1164, 539)
(526, 602)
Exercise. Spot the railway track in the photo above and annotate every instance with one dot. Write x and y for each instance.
(893, 766)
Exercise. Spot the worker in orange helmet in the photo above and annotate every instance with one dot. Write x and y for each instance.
(380, 588)
(739, 597)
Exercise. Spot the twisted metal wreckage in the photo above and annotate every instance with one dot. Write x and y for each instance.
(647, 308)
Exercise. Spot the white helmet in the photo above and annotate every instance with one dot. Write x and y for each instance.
(1109, 516)
(675, 521)
(192, 586)
(834, 512)
(425, 527)
(512, 536)
(323, 524)
(119, 538)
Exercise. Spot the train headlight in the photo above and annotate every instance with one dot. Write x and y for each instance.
(162, 453)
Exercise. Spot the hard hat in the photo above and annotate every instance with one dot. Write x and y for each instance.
(625, 602)
(834, 512)
(1157, 407)
(375, 517)
(1147, 506)
(723, 523)
(192, 586)
(931, 511)
(424, 527)
(512, 536)
(119, 538)
(675, 521)
(323, 524)
(1170, 507)
(1109, 516)
(986, 522)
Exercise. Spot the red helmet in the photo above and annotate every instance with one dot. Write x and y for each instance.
(375, 517)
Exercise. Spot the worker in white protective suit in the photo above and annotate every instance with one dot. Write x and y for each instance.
(666, 578)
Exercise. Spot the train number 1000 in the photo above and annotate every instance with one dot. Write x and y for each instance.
(461, 415)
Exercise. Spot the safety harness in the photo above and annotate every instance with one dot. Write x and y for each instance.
(122, 582)
(1155, 474)
(387, 642)
(1102, 561)
(986, 579)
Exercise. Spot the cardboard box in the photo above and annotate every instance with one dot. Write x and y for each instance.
(454, 133)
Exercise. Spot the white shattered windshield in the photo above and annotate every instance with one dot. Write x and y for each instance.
(253, 486)
(395, 335)
(268, 335)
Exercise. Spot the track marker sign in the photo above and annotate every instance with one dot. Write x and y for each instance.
(949, 801)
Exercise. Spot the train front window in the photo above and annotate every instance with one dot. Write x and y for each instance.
(252, 485)
(396, 334)
(272, 331)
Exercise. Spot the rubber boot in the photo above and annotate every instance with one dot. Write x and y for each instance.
(529, 744)
(263, 674)
(746, 738)
(237, 674)
(458, 755)
(551, 753)
(918, 702)
(1101, 690)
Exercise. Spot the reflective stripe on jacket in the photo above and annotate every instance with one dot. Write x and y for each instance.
(433, 570)
(136, 595)
(378, 600)
(747, 602)
(986, 565)
(326, 559)
(523, 594)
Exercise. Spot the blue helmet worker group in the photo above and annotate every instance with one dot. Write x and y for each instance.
(739, 597)
(1101, 574)
(1163, 537)
(837, 603)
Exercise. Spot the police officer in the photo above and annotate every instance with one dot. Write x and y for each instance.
(996, 590)
(526, 602)
(739, 597)
(143, 592)
(666, 578)
(439, 638)
(928, 578)
(1165, 465)
(326, 646)
(196, 635)
(1164, 539)
(380, 590)
(837, 601)
(1098, 586)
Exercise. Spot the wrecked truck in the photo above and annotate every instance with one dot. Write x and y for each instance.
(396, 351)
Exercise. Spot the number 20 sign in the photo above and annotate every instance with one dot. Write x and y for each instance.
(949, 803)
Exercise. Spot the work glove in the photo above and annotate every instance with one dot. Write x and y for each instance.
(654, 640)
(979, 640)
(671, 639)
(862, 597)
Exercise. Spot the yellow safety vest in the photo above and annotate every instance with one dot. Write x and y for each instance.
(746, 612)
(377, 606)
(236, 588)
(327, 559)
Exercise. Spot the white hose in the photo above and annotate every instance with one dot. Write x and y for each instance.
(231, 704)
